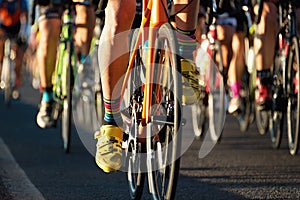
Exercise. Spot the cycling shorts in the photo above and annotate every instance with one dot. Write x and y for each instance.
(239, 22)
(54, 8)
(11, 30)
(236, 16)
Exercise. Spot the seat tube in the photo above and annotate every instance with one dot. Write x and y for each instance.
(157, 18)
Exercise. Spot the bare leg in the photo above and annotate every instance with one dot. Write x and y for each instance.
(264, 43)
(46, 52)
(113, 50)
(85, 22)
(237, 64)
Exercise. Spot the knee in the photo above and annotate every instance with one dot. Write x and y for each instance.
(268, 19)
(238, 45)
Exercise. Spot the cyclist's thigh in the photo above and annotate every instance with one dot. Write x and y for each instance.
(225, 33)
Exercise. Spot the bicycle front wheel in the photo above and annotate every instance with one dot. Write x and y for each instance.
(293, 107)
(67, 100)
(163, 133)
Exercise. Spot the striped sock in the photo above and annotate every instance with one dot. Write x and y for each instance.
(112, 115)
(187, 43)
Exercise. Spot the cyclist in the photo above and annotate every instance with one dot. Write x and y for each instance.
(49, 22)
(264, 43)
(13, 14)
(231, 33)
(231, 29)
(118, 19)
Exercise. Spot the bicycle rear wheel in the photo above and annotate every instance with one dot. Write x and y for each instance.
(66, 114)
(293, 106)
(131, 105)
(216, 98)
(261, 118)
(163, 132)
(199, 117)
(278, 103)
(245, 115)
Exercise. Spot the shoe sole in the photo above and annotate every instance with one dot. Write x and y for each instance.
(43, 125)
(105, 168)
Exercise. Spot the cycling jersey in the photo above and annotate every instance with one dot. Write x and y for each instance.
(10, 11)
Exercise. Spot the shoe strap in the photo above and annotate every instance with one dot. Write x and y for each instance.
(110, 131)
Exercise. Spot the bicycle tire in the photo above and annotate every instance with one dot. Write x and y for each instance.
(199, 109)
(67, 100)
(163, 132)
(135, 151)
(135, 174)
(276, 128)
(245, 117)
(278, 105)
(293, 106)
(216, 98)
(199, 119)
(261, 116)
(245, 114)
(262, 121)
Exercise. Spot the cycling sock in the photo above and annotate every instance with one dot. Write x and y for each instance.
(83, 58)
(235, 89)
(112, 115)
(47, 95)
(186, 42)
(265, 73)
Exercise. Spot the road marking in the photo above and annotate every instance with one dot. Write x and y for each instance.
(14, 178)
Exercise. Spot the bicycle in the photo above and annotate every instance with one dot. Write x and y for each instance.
(212, 105)
(262, 116)
(285, 72)
(151, 105)
(246, 116)
(8, 67)
(65, 73)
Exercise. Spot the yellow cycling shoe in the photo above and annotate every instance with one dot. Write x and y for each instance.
(190, 83)
(109, 148)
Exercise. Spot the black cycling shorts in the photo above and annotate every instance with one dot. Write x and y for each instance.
(11, 30)
(54, 8)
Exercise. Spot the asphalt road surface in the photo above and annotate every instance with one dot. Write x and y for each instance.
(34, 166)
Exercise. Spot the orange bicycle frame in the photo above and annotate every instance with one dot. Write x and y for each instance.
(154, 15)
